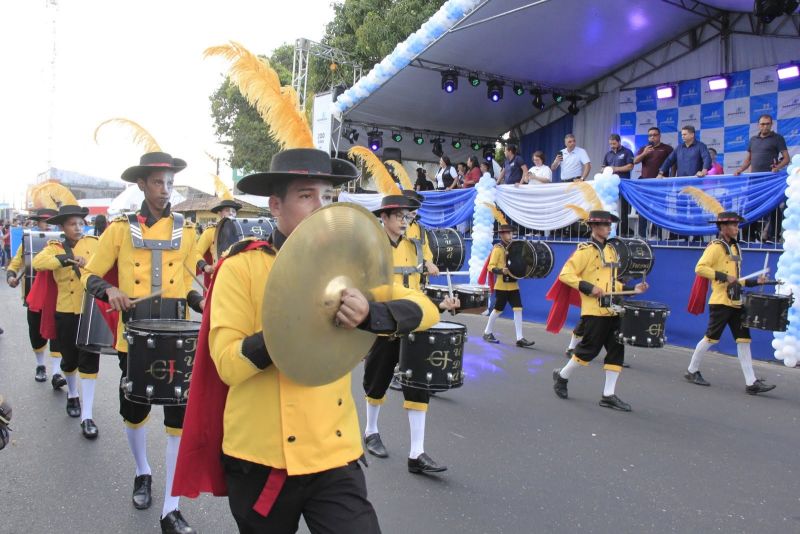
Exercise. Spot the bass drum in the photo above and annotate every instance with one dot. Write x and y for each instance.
(529, 259)
(447, 247)
(94, 332)
(231, 231)
(33, 242)
(635, 256)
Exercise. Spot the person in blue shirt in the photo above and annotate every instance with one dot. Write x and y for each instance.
(692, 156)
(620, 159)
(514, 168)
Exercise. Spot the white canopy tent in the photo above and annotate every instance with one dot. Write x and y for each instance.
(131, 200)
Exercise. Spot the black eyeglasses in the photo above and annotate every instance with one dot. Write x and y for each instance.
(765, 124)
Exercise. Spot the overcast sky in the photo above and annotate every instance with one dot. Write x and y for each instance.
(137, 59)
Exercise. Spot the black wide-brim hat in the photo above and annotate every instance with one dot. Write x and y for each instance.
(410, 193)
(42, 214)
(396, 202)
(728, 217)
(226, 204)
(505, 228)
(65, 212)
(150, 162)
(299, 163)
(601, 216)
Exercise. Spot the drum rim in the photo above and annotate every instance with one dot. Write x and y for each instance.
(530, 245)
(432, 236)
(633, 302)
(132, 326)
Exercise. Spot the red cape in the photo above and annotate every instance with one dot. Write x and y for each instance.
(562, 296)
(206, 277)
(697, 296)
(486, 274)
(109, 316)
(199, 468)
(42, 298)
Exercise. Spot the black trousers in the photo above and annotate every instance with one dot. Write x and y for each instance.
(624, 210)
(135, 413)
(600, 332)
(720, 316)
(379, 369)
(37, 341)
(332, 502)
(72, 358)
(503, 297)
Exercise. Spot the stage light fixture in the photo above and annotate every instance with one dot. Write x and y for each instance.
(450, 81)
(474, 81)
(667, 91)
(437, 150)
(418, 139)
(768, 10)
(788, 71)
(475, 145)
(375, 140)
(558, 98)
(488, 153)
(351, 135)
(719, 83)
(397, 137)
(456, 143)
(518, 89)
(494, 91)
(573, 105)
(538, 101)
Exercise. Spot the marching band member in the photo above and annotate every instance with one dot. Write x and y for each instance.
(13, 274)
(588, 271)
(154, 254)
(66, 261)
(720, 264)
(207, 244)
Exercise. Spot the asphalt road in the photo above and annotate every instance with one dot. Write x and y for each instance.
(687, 459)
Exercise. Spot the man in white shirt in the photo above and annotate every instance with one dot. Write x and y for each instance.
(574, 161)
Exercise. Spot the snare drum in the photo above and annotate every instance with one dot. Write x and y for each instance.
(33, 242)
(634, 256)
(94, 332)
(436, 293)
(160, 360)
(766, 312)
(433, 359)
(447, 247)
(643, 323)
(473, 298)
(231, 231)
(529, 259)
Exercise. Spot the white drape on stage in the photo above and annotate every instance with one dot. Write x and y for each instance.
(541, 206)
(371, 201)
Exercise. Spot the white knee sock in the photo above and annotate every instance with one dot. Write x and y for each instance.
(137, 441)
(699, 352)
(39, 357)
(373, 411)
(55, 366)
(518, 323)
(490, 323)
(72, 385)
(611, 383)
(567, 369)
(746, 361)
(170, 502)
(87, 397)
(416, 424)
(573, 342)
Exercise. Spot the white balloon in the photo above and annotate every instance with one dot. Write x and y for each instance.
(790, 361)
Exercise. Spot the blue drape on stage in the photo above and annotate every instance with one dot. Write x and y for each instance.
(549, 140)
(660, 200)
(443, 209)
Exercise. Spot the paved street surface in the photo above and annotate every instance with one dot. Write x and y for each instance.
(687, 459)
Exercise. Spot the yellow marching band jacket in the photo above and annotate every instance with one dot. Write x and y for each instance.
(207, 243)
(720, 260)
(585, 269)
(54, 257)
(498, 260)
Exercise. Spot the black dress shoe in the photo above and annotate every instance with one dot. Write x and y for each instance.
(490, 338)
(525, 343)
(41, 374)
(614, 402)
(696, 378)
(424, 464)
(141, 493)
(560, 384)
(375, 445)
(89, 429)
(174, 523)
(759, 386)
(58, 381)
(74, 407)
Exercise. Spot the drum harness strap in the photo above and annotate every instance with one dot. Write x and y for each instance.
(420, 267)
(156, 246)
(734, 291)
(606, 301)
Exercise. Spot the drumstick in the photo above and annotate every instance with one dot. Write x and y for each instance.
(450, 289)
(134, 302)
(199, 283)
(753, 275)
(629, 292)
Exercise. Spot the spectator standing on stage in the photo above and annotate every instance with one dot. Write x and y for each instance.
(461, 170)
(620, 159)
(716, 168)
(422, 183)
(574, 161)
(691, 156)
(514, 167)
(767, 151)
(446, 175)
(539, 173)
(651, 156)
(473, 174)
(486, 170)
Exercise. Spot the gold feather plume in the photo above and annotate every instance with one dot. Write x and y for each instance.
(579, 211)
(383, 180)
(140, 136)
(704, 200)
(260, 85)
(498, 215)
(52, 195)
(401, 173)
(589, 194)
(221, 189)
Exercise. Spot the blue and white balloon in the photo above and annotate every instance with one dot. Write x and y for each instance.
(482, 226)
(787, 344)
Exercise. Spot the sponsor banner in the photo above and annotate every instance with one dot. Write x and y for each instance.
(763, 105)
(739, 86)
(763, 81)
(646, 99)
(788, 104)
(790, 130)
(712, 115)
(737, 138)
(627, 101)
(645, 120)
(667, 120)
(737, 111)
(689, 93)
(627, 123)
(713, 138)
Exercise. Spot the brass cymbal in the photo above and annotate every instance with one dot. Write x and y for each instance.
(339, 246)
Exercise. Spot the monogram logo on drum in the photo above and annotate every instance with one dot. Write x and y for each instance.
(258, 231)
(163, 370)
(655, 329)
(439, 358)
(190, 344)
